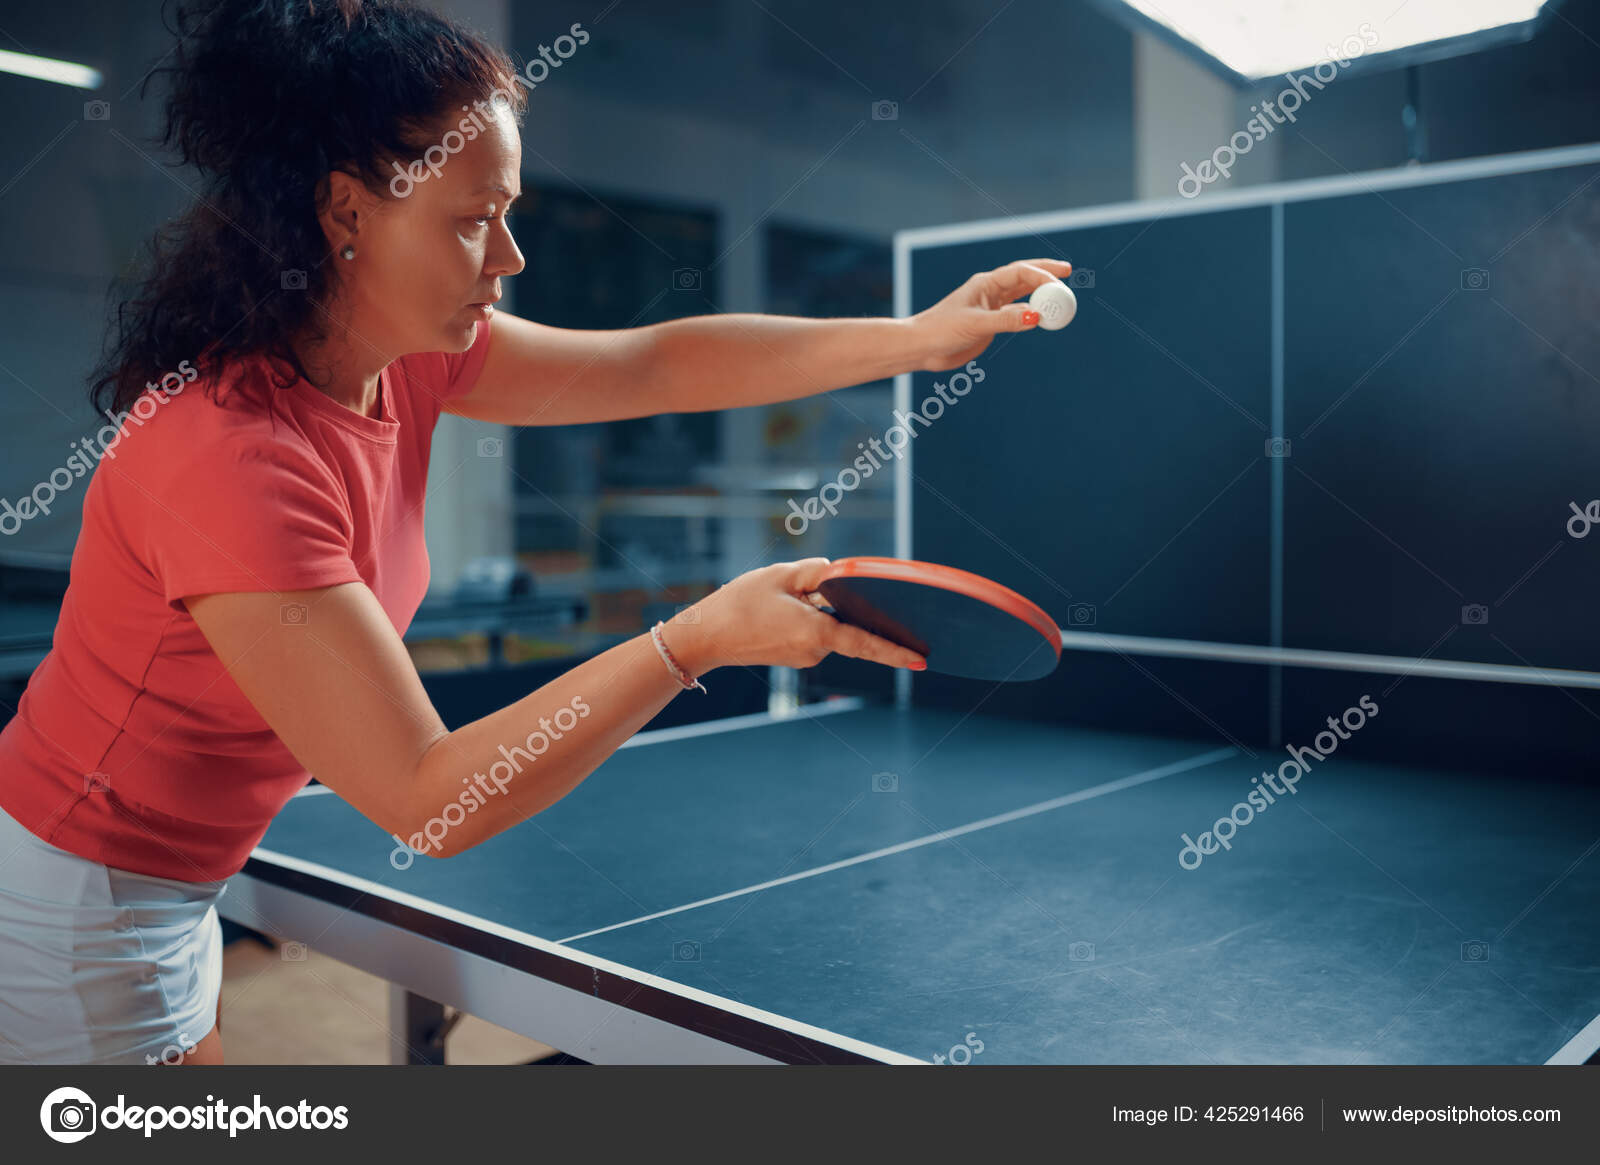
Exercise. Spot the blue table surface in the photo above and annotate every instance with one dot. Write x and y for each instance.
(1343, 925)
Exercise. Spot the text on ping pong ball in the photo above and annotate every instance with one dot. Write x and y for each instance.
(1055, 304)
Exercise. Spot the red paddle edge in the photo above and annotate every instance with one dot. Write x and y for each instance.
(948, 578)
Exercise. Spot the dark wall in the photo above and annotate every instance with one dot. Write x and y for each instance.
(1529, 96)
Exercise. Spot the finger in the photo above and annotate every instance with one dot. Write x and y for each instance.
(859, 644)
(1014, 317)
(805, 575)
(1059, 267)
(1014, 280)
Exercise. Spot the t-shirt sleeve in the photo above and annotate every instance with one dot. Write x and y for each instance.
(242, 516)
(435, 378)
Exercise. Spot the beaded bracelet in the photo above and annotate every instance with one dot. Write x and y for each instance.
(673, 666)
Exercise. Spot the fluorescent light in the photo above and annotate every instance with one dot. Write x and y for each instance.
(44, 69)
(1262, 38)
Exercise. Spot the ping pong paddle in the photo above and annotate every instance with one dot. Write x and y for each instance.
(962, 623)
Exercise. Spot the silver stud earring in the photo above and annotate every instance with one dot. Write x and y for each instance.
(349, 252)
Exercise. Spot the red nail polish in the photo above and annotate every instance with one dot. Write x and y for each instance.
(1030, 318)
(920, 665)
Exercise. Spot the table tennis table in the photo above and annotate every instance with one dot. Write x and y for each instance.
(859, 883)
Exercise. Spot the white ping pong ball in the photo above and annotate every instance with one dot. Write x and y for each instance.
(1055, 304)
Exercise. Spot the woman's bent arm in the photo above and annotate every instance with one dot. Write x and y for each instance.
(332, 679)
(337, 687)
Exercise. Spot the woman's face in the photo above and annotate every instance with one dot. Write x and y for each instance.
(437, 247)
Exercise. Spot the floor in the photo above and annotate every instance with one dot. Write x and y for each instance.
(278, 1008)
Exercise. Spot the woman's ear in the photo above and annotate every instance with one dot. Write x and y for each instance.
(343, 206)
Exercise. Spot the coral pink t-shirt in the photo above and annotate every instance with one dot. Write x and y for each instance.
(132, 746)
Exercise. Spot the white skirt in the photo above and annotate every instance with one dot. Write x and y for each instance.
(99, 965)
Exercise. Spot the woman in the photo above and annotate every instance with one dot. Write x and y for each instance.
(252, 546)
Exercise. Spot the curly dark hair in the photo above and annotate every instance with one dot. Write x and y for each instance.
(267, 97)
